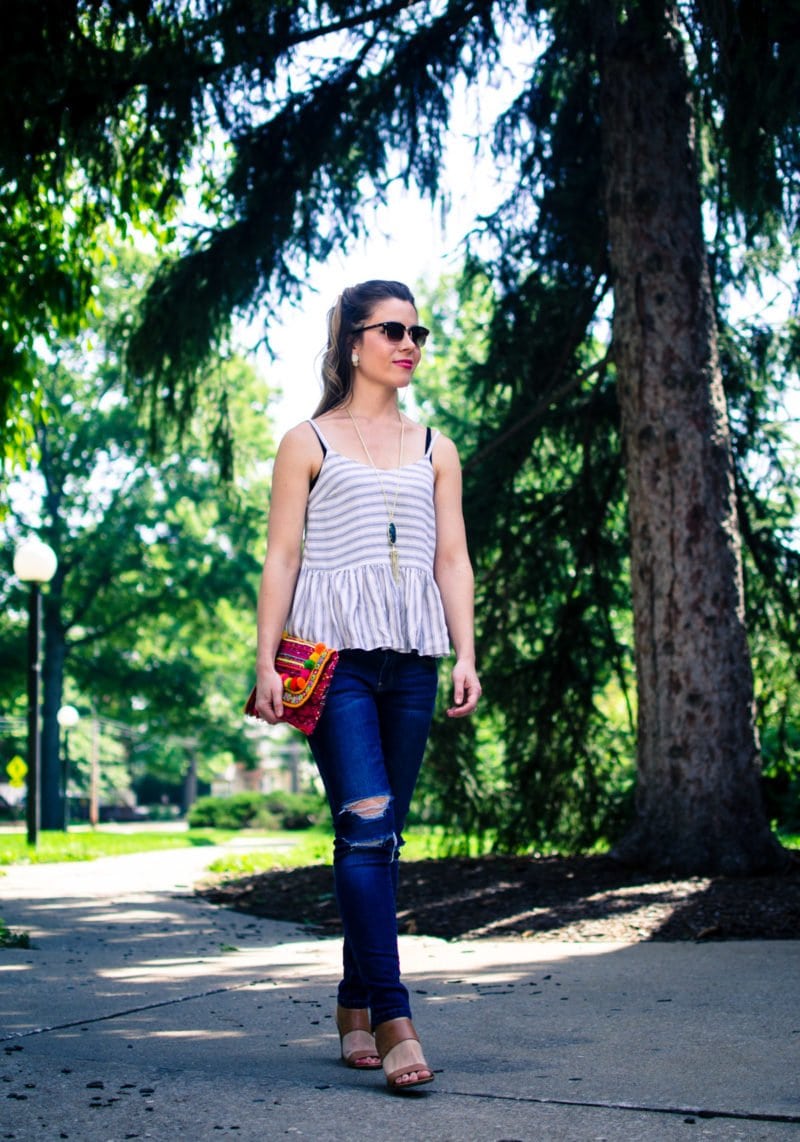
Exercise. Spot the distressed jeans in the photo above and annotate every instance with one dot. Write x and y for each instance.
(368, 746)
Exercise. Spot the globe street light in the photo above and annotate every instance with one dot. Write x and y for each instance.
(67, 717)
(34, 563)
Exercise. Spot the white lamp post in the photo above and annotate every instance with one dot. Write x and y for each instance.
(34, 563)
(67, 717)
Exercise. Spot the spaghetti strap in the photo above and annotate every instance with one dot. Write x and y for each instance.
(430, 439)
(323, 442)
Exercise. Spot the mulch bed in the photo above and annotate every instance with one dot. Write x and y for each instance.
(542, 898)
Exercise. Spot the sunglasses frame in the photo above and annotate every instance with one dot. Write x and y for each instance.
(414, 331)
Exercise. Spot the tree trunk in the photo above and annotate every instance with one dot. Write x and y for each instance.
(55, 652)
(698, 806)
(189, 792)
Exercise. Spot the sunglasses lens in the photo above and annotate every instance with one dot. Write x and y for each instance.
(396, 331)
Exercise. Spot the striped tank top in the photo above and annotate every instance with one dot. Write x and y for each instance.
(346, 595)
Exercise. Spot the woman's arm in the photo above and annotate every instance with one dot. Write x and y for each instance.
(297, 462)
(453, 574)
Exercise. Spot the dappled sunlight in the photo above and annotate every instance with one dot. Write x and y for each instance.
(491, 1013)
(132, 917)
(493, 962)
(569, 910)
(196, 1033)
(580, 899)
(188, 968)
(103, 907)
(63, 905)
(307, 962)
(173, 986)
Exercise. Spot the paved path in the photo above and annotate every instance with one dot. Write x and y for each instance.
(142, 1012)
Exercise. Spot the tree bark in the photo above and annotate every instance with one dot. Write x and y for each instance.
(698, 807)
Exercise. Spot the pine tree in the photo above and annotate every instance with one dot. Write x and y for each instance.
(609, 198)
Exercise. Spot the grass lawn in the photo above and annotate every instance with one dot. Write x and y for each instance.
(89, 844)
(309, 846)
(295, 848)
(314, 846)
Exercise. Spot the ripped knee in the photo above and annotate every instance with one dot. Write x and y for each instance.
(366, 823)
(369, 808)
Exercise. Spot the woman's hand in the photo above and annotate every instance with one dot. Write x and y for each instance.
(269, 697)
(466, 690)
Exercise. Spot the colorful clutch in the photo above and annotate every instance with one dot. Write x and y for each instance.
(306, 669)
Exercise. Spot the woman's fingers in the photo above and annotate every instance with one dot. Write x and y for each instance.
(466, 692)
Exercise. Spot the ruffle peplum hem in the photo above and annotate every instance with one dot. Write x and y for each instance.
(364, 607)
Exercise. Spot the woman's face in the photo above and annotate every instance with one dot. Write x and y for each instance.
(382, 361)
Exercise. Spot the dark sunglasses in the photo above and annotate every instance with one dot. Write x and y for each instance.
(396, 331)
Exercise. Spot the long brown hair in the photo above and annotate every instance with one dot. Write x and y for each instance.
(352, 309)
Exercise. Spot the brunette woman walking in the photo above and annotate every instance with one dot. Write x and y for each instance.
(367, 553)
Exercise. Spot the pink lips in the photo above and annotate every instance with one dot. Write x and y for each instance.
(405, 364)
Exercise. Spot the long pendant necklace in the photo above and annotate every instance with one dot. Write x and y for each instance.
(391, 529)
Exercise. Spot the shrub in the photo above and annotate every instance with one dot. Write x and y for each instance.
(296, 810)
(256, 810)
(239, 811)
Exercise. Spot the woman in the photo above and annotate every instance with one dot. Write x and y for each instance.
(367, 553)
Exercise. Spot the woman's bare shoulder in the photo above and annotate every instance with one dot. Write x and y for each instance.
(302, 435)
(445, 455)
(300, 445)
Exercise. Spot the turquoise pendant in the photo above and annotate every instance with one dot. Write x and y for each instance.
(394, 559)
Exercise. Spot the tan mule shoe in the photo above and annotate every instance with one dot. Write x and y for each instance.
(348, 1020)
(391, 1034)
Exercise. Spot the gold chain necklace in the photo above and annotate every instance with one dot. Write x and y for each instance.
(391, 529)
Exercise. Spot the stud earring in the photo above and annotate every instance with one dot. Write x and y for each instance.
(355, 359)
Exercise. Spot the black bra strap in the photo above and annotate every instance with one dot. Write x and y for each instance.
(324, 448)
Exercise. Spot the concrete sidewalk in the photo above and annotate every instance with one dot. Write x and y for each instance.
(141, 1012)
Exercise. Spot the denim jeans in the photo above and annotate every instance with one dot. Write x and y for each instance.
(368, 746)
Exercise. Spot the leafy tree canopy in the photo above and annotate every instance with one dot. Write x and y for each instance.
(150, 614)
(308, 111)
(314, 108)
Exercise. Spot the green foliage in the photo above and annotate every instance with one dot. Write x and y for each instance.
(158, 562)
(309, 846)
(257, 810)
(553, 761)
(296, 810)
(747, 59)
(102, 107)
(10, 939)
(239, 811)
(545, 516)
(91, 133)
(315, 846)
(105, 107)
(762, 377)
(288, 120)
